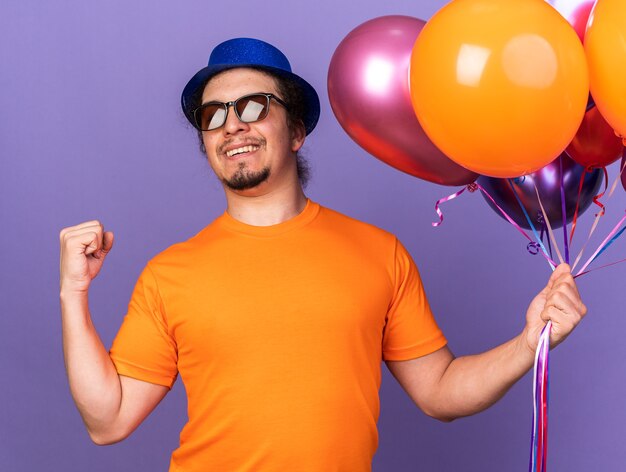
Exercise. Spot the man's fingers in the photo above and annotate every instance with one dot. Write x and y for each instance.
(562, 279)
(560, 271)
(566, 284)
(564, 307)
(107, 244)
(86, 237)
(78, 228)
(76, 235)
(563, 325)
(84, 243)
(563, 301)
(107, 241)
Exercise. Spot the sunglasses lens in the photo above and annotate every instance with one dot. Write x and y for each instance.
(211, 116)
(252, 108)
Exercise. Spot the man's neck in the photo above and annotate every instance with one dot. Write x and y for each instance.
(266, 209)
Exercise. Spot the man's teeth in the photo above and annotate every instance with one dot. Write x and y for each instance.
(241, 150)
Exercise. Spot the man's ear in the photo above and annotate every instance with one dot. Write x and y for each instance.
(298, 134)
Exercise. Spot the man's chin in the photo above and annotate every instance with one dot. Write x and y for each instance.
(241, 181)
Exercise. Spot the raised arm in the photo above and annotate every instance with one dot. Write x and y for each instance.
(447, 388)
(111, 406)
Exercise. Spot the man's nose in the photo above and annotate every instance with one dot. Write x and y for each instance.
(233, 124)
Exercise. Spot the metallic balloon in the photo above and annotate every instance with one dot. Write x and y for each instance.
(576, 12)
(595, 143)
(368, 88)
(547, 181)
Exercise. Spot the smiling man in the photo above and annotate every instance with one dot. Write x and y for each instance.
(277, 314)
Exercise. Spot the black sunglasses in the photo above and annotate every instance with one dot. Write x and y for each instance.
(249, 108)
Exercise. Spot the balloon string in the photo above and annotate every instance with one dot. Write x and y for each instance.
(597, 218)
(591, 231)
(598, 268)
(575, 220)
(532, 226)
(549, 245)
(546, 399)
(541, 392)
(602, 245)
(547, 240)
(533, 436)
(616, 180)
(597, 198)
(447, 199)
(542, 409)
(609, 243)
(563, 210)
(548, 226)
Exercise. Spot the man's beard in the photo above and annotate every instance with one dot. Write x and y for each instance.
(244, 179)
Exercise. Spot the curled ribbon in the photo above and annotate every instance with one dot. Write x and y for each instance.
(471, 187)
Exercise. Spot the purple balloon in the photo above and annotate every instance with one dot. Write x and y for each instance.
(368, 88)
(548, 184)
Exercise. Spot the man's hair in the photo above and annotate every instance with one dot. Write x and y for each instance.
(292, 95)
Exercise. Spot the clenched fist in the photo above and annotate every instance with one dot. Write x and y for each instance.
(558, 302)
(83, 249)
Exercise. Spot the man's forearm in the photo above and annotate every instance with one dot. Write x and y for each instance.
(473, 383)
(93, 380)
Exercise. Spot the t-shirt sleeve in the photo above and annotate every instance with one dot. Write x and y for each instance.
(410, 328)
(143, 347)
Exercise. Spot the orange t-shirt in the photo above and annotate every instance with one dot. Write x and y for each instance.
(278, 333)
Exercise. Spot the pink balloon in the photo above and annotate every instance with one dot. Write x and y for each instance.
(368, 88)
(576, 12)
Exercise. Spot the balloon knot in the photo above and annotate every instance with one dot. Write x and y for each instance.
(472, 187)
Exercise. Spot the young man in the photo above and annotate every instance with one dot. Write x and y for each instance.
(278, 313)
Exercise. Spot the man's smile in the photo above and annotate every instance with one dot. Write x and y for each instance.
(241, 150)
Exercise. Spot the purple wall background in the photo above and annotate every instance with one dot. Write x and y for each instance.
(90, 127)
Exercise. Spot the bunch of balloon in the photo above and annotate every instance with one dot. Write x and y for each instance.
(499, 87)
(369, 93)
